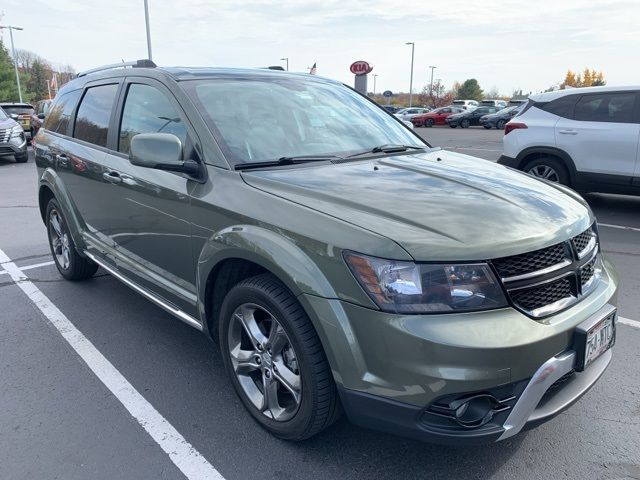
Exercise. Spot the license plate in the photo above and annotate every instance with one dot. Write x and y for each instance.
(595, 339)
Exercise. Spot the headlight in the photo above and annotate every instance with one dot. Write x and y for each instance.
(16, 131)
(407, 287)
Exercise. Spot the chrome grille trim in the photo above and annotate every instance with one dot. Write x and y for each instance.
(563, 284)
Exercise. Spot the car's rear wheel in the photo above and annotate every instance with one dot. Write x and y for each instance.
(275, 359)
(548, 168)
(500, 124)
(428, 122)
(69, 263)
(465, 123)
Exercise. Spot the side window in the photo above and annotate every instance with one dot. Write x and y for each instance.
(58, 118)
(563, 106)
(94, 113)
(606, 107)
(148, 110)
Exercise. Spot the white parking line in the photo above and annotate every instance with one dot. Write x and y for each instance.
(628, 321)
(30, 267)
(620, 227)
(190, 462)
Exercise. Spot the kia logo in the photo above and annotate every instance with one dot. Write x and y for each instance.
(360, 68)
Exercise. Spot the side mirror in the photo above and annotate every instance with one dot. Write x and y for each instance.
(41, 116)
(162, 151)
(13, 116)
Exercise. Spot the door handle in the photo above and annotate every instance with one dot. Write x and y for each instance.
(568, 132)
(112, 177)
(62, 160)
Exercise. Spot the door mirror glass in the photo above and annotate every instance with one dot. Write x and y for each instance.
(156, 150)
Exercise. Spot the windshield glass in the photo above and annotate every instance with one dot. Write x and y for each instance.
(261, 119)
(3, 116)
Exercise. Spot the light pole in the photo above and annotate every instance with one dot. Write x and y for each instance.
(13, 54)
(413, 46)
(375, 77)
(285, 59)
(431, 84)
(146, 21)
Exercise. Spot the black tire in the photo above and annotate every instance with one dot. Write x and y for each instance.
(319, 405)
(500, 125)
(78, 268)
(465, 123)
(453, 125)
(539, 166)
(23, 158)
(487, 126)
(428, 122)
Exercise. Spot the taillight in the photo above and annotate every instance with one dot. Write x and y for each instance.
(513, 126)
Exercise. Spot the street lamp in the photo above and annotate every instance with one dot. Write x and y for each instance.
(146, 21)
(375, 76)
(431, 84)
(413, 46)
(285, 59)
(13, 54)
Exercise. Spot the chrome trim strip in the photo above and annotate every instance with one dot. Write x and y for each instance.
(565, 263)
(590, 246)
(526, 408)
(550, 371)
(553, 307)
(188, 319)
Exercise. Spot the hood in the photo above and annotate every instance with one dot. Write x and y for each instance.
(437, 205)
(8, 123)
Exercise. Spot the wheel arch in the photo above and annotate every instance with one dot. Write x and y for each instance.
(533, 153)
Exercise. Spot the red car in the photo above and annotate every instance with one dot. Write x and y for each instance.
(434, 117)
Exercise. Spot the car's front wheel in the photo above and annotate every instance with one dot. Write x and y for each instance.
(500, 124)
(487, 126)
(67, 259)
(465, 123)
(453, 125)
(275, 359)
(548, 168)
(428, 122)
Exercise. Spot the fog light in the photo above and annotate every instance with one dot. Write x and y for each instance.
(474, 411)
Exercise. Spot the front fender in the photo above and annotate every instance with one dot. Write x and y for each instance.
(272, 251)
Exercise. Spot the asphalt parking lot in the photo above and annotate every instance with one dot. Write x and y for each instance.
(59, 421)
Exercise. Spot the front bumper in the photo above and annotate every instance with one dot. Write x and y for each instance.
(15, 146)
(508, 161)
(390, 369)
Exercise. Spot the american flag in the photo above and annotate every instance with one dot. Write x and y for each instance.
(312, 71)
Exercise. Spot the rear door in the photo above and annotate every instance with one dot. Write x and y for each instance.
(601, 136)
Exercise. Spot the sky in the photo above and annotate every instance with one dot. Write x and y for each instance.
(509, 45)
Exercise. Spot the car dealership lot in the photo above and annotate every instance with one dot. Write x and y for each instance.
(58, 420)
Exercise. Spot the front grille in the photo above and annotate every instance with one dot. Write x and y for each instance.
(5, 134)
(530, 262)
(545, 281)
(531, 299)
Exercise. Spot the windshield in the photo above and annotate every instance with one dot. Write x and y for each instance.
(261, 119)
(3, 116)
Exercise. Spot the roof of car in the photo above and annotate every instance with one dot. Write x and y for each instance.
(548, 96)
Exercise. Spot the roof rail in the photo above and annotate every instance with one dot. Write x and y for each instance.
(144, 63)
(274, 67)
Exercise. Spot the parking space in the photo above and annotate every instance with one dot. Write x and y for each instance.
(61, 420)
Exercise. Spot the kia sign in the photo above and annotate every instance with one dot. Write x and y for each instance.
(360, 68)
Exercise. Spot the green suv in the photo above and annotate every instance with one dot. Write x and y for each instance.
(341, 263)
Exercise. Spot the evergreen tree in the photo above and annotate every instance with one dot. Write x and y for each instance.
(470, 90)
(8, 88)
(37, 83)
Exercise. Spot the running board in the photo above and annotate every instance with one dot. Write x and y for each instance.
(186, 318)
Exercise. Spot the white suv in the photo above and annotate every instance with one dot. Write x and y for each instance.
(586, 138)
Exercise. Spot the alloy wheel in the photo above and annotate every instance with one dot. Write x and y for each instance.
(546, 172)
(59, 239)
(264, 362)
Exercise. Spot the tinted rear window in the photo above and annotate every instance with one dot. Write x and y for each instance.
(94, 113)
(606, 107)
(18, 110)
(563, 106)
(58, 118)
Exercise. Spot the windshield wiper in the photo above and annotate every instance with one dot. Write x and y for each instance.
(387, 148)
(287, 161)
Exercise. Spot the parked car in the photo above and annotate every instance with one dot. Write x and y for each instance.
(469, 117)
(12, 138)
(391, 108)
(408, 113)
(500, 118)
(39, 113)
(586, 138)
(465, 104)
(318, 251)
(434, 117)
(493, 103)
(21, 112)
